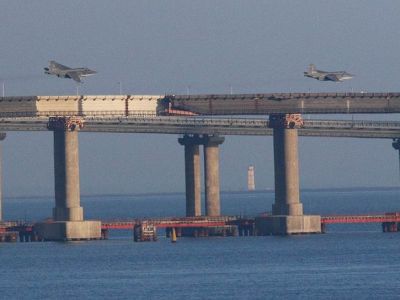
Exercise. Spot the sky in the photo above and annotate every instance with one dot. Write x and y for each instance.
(163, 47)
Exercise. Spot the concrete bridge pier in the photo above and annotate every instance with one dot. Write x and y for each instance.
(66, 176)
(68, 222)
(396, 146)
(192, 174)
(287, 211)
(211, 174)
(2, 137)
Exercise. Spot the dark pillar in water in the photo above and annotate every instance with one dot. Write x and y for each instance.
(2, 137)
(396, 146)
(192, 174)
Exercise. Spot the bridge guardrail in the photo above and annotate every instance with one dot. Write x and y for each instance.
(276, 96)
(191, 121)
(209, 125)
(112, 113)
(208, 120)
(351, 124)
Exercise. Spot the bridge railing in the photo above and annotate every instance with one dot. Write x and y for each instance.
(352, 124)
(195, 121)
(198, 123)
(278, 96)
(95, 113)
(246, 122)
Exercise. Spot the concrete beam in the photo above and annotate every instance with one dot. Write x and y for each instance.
(210, 126)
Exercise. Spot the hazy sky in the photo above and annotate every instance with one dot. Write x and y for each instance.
(157, 47)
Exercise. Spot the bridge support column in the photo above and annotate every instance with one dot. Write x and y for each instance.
(287, 211)
(211, 174)
(192, 174)
(396, 146)
(2, 137)
(68, 223)
(66, 177)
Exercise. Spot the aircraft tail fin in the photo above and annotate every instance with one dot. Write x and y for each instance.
(311, 69)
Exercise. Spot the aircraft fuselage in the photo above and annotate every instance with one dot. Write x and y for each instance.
(66, 72)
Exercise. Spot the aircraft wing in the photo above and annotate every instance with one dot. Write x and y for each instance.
(56, 65)
(75, 76)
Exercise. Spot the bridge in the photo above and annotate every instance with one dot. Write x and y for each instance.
(66, 116)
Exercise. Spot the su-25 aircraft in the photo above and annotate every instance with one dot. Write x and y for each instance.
(327, 76)
(65, 72)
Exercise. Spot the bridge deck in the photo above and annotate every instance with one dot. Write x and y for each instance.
(212, 125)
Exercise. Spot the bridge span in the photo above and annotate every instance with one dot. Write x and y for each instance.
(66, 116)
(212, 126)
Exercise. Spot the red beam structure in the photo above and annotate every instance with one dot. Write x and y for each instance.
(171, 222)
(390, 223)
(344, 219)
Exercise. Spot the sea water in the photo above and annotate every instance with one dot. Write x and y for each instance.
(348, 262)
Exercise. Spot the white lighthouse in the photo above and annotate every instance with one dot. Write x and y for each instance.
(251, 186)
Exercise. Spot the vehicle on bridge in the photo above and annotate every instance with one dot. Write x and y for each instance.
(62, 71)
(312, 72)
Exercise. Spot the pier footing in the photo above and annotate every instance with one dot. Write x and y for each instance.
(286, 225)
(69, 230)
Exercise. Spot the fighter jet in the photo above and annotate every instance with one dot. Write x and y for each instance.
(327, 76)
(65, 72)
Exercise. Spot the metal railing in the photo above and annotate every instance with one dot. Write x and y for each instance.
(209, 125)
(278, 96)
(94, 113)
(351, 124)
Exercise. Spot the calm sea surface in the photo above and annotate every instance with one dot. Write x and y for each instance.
(349, 262)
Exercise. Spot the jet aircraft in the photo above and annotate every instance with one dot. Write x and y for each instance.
(312, 72)
(60, 70)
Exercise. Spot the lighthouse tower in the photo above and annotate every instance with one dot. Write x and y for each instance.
(251, 186)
